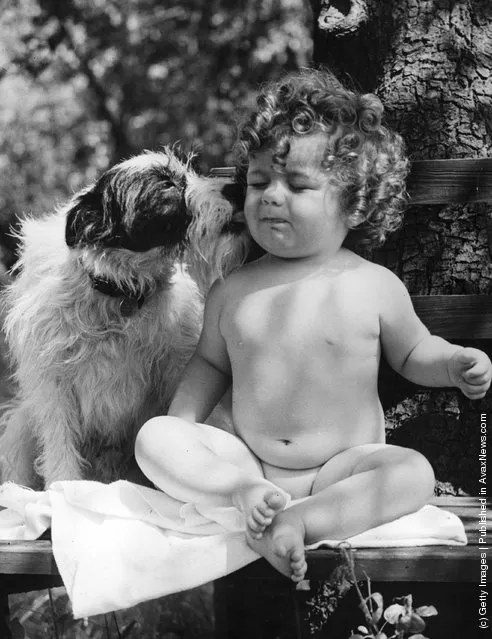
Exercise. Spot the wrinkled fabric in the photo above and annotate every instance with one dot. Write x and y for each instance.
(119, 544)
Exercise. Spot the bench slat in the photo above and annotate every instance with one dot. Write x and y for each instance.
(426, 563)
(27, 557)
(456, 316)
(450, 181)
(434, 181)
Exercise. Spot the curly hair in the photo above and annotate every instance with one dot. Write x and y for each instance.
(366, 160)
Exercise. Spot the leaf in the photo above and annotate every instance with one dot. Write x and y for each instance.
(393, 613)
(410, 622)
(426, 611)
(363, 629)
(378, 600)
(381, 635)
(408, 603)
(419, 636)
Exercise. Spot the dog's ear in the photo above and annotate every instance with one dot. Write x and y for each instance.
(86, 223)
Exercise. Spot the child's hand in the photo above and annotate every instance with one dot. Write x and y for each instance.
(471, 371)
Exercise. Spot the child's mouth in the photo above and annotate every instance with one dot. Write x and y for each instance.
(273, 220)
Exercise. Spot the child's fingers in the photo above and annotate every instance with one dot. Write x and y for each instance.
(475, 378)
(471, 359)
(473, 395)
(475, 391)
(481, 368)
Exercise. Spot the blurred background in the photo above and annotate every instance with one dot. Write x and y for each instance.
(86, 83)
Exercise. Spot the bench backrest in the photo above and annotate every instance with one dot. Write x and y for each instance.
(466, 181)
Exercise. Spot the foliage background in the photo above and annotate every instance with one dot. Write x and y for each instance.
(85, 83)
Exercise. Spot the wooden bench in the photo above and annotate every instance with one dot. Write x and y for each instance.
(26, 566)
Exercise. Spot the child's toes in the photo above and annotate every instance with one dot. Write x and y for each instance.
(298, 565)
(252, 524)
(264, 509)
(275, 501)
(297, 560)
(297, 578)
(299, 572)
(260, 519)
(256, 524)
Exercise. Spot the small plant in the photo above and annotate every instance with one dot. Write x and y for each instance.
(407, 622)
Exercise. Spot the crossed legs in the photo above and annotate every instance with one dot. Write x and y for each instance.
(356, 490)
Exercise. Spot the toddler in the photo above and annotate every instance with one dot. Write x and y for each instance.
(299, 333)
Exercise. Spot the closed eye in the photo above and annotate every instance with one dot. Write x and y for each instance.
(168, 184)
(258, 185)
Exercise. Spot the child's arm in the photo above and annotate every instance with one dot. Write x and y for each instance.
(207, 375)
(423, 358)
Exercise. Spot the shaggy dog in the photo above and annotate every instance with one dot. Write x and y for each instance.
(105, 311)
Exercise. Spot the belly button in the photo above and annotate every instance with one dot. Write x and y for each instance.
(285, 441)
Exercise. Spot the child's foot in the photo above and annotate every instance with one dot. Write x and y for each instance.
(282, 545)
(259, 503)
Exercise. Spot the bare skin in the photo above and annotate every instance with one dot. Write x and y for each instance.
(300, 333)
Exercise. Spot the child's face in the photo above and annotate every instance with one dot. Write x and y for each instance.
(293, 212)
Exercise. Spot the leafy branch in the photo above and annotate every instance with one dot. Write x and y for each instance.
(407, 622)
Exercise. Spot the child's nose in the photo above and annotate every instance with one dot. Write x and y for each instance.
(273, 194)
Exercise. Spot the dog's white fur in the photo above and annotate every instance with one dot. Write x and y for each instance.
(87, 376)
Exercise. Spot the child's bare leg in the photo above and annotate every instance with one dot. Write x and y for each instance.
(356, 490)
(196, 463)
(362, 488)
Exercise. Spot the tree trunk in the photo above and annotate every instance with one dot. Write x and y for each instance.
(429, 61)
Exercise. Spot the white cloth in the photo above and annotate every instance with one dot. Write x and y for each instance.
(119, 544)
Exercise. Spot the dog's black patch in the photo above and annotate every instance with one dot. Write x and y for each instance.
(235, 194)
(136, 209)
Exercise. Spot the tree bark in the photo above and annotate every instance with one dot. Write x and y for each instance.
(429, 61)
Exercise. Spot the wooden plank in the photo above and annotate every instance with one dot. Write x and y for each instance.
(434, 181)
(27, 557)
(456, 316)
(450, 181)
(427, 563)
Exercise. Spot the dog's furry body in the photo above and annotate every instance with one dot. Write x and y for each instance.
(92, 365)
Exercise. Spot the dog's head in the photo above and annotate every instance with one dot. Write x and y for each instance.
(136, 205)
(157, 201)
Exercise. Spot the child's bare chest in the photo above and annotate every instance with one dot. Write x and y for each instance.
(313, 314)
